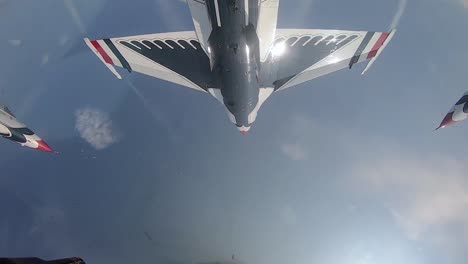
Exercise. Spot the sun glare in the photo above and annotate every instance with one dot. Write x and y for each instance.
(278, 49)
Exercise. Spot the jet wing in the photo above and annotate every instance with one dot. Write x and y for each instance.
(300, 55)
(6, 110)
(175, 57)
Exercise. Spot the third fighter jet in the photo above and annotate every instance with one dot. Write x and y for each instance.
(15, 131)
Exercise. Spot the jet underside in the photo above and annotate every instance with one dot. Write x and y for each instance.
(237, 54)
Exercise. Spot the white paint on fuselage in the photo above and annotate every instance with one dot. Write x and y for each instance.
(31, 141)
(266, 26)
(4, 130)
(218, 17)
(263, 95)
(243, 129)
(458, 114)
(216, 93)
(246, 6)
(201, 22)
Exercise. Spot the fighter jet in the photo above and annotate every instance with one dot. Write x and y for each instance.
(13, 130)
(238, 55)
(458, 113)
(40, 261)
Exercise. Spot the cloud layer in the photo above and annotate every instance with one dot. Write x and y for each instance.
(95, 127)
(425, 195)
(294, 151)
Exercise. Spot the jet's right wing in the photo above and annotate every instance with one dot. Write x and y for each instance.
(300, 55)
(175, 57)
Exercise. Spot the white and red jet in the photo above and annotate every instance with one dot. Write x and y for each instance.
(459, 112)
(13, 130)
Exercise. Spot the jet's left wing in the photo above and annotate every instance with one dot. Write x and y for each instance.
(300, 55)
(175, 57)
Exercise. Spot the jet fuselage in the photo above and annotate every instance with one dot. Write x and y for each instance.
(12, 129)
(235, 57)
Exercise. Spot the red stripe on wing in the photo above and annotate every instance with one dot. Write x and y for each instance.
(101, 51)
(378, 45)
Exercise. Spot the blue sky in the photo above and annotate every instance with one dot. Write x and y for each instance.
(343, 169)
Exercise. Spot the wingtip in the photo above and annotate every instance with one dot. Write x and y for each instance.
(87, 41)
(99, 55)
(390, 35)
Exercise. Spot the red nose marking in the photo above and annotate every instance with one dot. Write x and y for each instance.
(448, 121)
(244, 133)
(43, 146)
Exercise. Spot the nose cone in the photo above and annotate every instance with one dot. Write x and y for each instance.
(448, 121)
(244, 130)
(43, 146)
(452, 118)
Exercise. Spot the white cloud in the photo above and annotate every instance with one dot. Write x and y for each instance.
(426, 195)
(45, 59)
(302, 130)
(15, 42)
(294, 151)
(95, 127)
